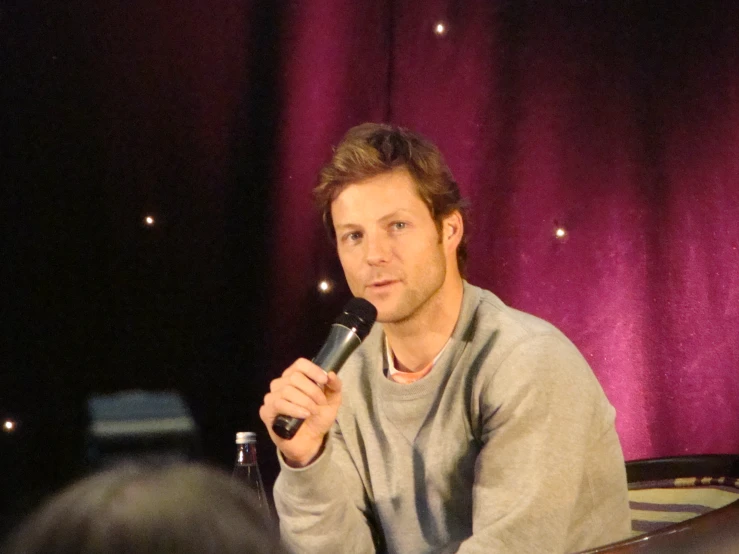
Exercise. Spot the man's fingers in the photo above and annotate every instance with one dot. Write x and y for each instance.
(298, 397)
(297, 384)
(307, 386)
(307, 368)
(290, 402)
(306, 392)
(333, 382)
(285, 407)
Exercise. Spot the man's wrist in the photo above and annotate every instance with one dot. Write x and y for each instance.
(304, 462)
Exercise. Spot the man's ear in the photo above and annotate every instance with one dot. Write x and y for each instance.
(452, 229)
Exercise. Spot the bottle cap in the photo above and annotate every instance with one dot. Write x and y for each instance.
(242, 437)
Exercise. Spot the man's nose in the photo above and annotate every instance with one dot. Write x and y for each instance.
(378, 249)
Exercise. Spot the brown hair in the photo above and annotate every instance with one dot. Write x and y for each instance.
(176, 509)
(371, 149)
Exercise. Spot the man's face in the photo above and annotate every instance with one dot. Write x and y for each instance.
(389, 246)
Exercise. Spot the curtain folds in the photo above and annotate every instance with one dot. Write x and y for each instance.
(616, 124)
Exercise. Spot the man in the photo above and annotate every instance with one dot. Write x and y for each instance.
(460, 424)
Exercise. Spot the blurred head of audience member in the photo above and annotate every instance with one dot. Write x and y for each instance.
(176, 509)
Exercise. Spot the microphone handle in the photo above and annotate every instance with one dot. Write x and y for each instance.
(285, 426)
(339, 345)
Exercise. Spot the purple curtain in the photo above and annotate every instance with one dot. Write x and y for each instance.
(598, 144)
(617, 123)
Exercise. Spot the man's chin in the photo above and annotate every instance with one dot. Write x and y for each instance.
(390, 315)
(389, 307)
(384, 315)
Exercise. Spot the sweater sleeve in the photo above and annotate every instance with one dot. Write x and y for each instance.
(542, 414)
(323, 507)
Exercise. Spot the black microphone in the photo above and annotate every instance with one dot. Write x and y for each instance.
(347, 332)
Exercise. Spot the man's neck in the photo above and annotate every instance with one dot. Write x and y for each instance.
(416, 341)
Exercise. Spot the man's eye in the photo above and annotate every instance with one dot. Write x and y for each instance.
(399, 225)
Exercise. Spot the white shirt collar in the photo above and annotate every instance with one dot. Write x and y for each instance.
(391, 369)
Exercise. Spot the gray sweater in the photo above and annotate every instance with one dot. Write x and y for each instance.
(508, 445)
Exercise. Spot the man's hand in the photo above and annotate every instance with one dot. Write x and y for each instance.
(307, 392)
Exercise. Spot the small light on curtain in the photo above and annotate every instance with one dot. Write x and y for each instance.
(324, 286)
(560, 233)
(9, 426)
(440, 29)
(148, 220)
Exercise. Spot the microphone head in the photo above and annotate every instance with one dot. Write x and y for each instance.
(358, 315)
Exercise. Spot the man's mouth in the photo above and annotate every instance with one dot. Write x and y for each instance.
(382, 283)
